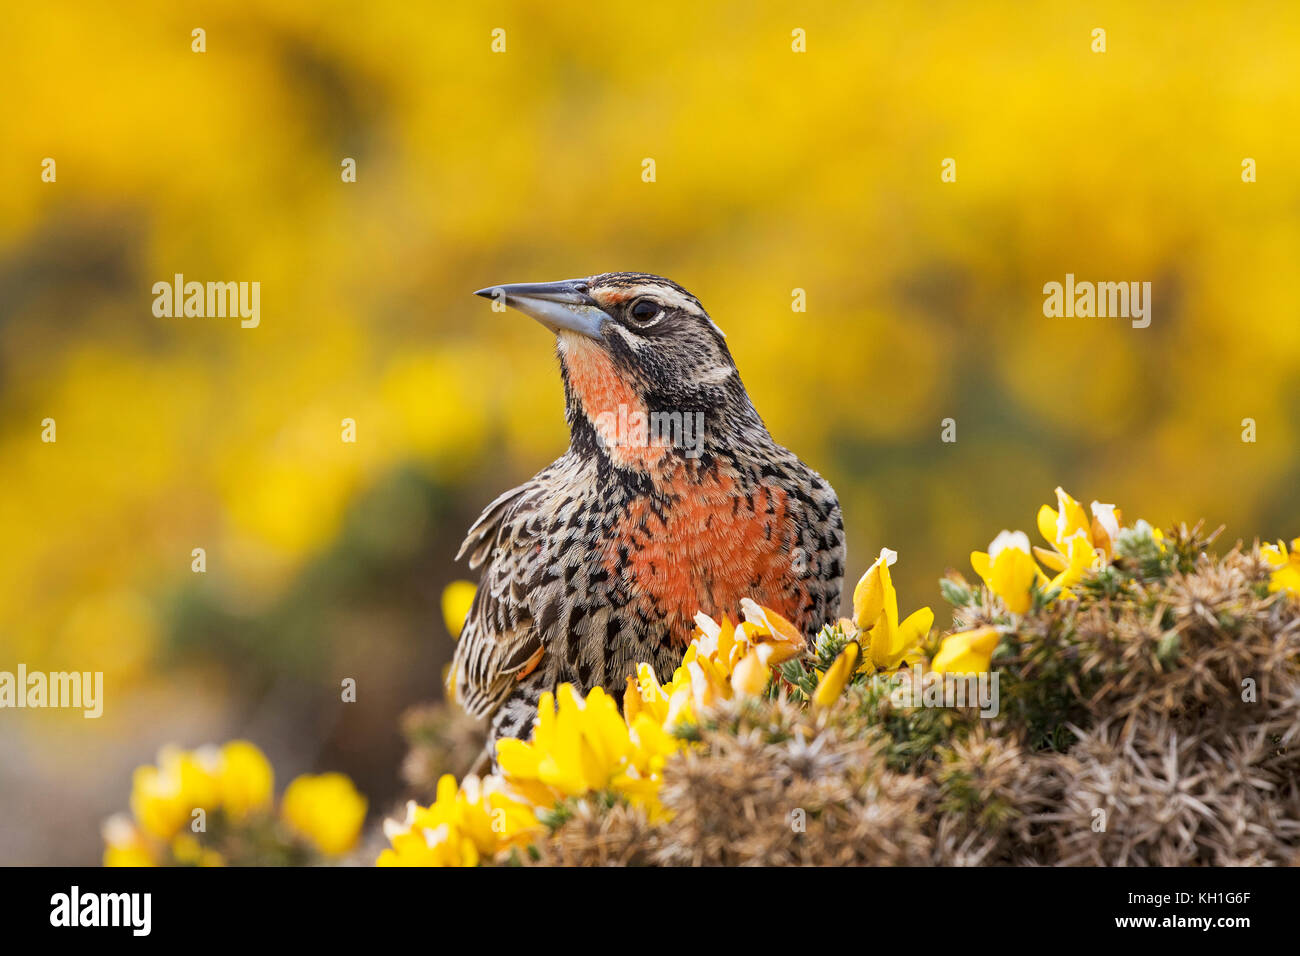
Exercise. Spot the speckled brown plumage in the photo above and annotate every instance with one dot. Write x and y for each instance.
(601, 560)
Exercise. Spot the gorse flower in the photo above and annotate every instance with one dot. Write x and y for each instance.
(456, 600)
(245, 780)
(213, 805)
(580, 746)
(164, 796)
(1009, 570)
(1061, 525)
(463, 826)
(832, 682)
(327, 810)
(966, 652)
(722, 660)
(770, 635)
(1080, 557)
(1078, 542)
(1286, 566)
(875, 611)
(645, 695)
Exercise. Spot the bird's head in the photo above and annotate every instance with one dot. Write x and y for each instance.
(631, 343)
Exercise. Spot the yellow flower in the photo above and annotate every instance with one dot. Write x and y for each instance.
(326, 809)
(837, 675)
(1060, 524)
(644, 695)
(164, 797)
(772, 636)
(577, 746)
(1061, 528)
(654, 745)
(1082, 556)
(428, 846)
(583, 745)
(456, 600)
(966, 652)
(697, 683)
(722, 660)
(874, 589)
(245, 780)
(697, 686)
(1286, 566)
(722, 644)
(124, 844)
(1008, 569)
(875, 611)
(751, 675)
(461, 827)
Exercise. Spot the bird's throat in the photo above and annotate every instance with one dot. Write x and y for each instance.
(611, 404)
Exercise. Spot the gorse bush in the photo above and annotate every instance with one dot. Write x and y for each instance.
(1138, 702)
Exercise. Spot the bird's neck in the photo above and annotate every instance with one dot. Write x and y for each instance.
(609, 416)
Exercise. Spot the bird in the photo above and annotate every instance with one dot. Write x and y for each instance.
(672, 499)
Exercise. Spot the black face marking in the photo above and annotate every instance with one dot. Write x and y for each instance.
(666, 342)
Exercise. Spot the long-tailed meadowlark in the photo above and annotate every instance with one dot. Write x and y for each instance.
(671, 499)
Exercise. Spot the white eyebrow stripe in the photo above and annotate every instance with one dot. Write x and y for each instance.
(664, 295)
(674, 299)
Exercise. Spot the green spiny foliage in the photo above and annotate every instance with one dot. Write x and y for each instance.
(799, 675)
(829, 643)
(956, 591)
(1139, 553)
(1041, 688)
(910, 733)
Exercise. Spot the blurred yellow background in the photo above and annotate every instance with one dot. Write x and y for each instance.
(775, 170)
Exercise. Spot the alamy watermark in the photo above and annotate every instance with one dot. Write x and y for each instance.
(633, 428)
(132, 911)
(926, 688)
(1123, 300)
(72, 689)
(211, 300)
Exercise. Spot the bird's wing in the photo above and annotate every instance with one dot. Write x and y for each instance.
(500, 643)
(482, 535)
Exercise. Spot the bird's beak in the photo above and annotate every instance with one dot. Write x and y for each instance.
(560, 306)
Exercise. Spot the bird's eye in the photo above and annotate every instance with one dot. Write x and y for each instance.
(644, 311)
